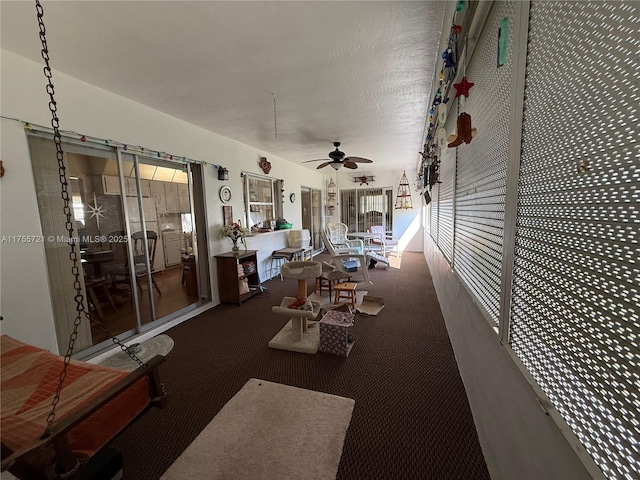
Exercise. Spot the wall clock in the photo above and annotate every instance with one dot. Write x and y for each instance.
(292, 197)
(225, 194)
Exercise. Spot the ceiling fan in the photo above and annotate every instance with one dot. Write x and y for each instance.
(337, 159)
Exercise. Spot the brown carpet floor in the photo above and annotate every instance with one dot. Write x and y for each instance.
(411, 419)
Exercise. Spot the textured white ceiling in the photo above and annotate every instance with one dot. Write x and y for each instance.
(357, 72)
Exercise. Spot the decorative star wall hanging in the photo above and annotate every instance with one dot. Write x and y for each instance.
(463, 87)
(96, 211)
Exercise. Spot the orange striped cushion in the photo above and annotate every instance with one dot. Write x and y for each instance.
(29, 380)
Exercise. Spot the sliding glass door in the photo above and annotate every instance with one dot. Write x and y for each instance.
(363, 208)
(135, 234)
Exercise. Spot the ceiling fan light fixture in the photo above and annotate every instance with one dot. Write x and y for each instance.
(338, 158)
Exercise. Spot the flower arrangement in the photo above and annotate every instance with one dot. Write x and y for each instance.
(235, 232)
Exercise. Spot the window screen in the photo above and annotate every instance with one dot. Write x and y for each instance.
(575, 315)
(482, 166)
(445, 193)
(435, 204)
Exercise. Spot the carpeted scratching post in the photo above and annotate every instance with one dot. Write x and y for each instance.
(296, 335)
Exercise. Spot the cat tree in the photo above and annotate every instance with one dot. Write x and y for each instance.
(298, 335)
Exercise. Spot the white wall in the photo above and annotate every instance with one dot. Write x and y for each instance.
(518, 439)
(24, 294)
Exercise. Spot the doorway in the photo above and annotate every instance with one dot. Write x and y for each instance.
(311, 204)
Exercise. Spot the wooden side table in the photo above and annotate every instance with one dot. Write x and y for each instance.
(346, 290)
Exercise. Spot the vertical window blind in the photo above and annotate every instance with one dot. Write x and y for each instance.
(363, 208)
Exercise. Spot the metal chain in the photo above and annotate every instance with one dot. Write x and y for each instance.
(73, 254)
(275, 117)
(97, 323)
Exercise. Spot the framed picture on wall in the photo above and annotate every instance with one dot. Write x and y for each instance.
(227, 215)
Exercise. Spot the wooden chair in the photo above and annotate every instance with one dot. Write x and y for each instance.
(328, 278)
(120, 273)
(139, 256)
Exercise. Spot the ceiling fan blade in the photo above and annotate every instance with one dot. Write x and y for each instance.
(350, 164)
(318, 160)
(358, 159)
(322, 165)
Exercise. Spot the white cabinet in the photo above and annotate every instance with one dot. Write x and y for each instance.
(110, 185)
(171, 197)
(157, 193)
(132, 188)
(183, 198)
(173, 243)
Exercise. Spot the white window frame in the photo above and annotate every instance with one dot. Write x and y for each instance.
(276, 200)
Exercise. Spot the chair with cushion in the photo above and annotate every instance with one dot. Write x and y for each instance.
(386, 242)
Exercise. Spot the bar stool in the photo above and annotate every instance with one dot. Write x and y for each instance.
(275, 264)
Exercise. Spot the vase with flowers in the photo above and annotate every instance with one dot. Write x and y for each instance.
(236, 232)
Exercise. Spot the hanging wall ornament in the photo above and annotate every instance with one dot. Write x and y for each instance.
(464, 132)
(442, 112)
(265, 165)
(403, 199)
(463, 87)
(434, 173)
(442, 137)
(449, 60)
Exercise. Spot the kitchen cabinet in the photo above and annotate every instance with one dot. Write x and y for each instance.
(132, 188)
(171, 197)
(183, 198)
(110, 185)
(230, 279)
(173, 246)
(157, 193)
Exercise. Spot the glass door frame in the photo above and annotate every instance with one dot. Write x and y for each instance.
(114, 152)
(311, 191)
(154, 322)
